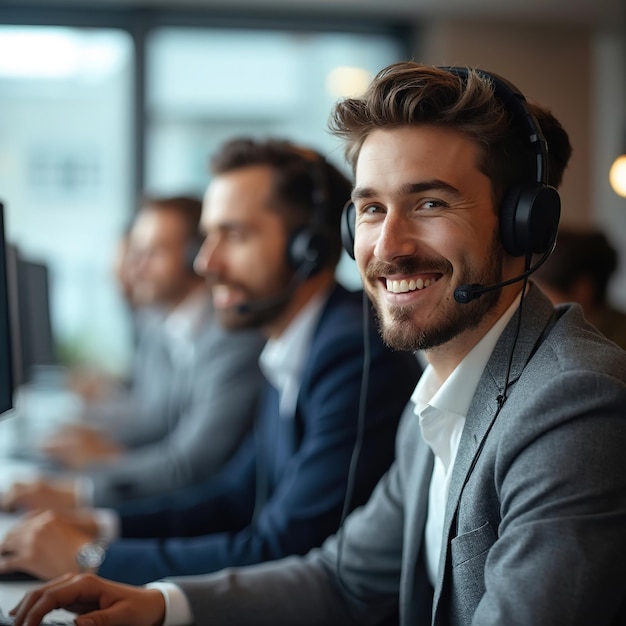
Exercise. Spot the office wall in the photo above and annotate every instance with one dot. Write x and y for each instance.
(579, 74)
(608, 126)
(549, 64)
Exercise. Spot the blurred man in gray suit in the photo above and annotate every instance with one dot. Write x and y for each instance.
(506, 504)
(194, 387)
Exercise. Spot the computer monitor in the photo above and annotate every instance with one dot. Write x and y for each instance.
(15, 319)
(32, 339)
(7, 384)
(38, 345)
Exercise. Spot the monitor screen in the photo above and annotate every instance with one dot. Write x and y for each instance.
(32, 340)
(38, 347)
(15, 320)
(6, 348)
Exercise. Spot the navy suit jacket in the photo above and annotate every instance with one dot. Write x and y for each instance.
(296, 469)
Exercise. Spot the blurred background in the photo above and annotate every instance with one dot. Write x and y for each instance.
(103, 100)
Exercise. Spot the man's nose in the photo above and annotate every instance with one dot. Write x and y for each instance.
(396, 237)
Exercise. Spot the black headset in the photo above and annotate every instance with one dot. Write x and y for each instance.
(529, 212)
(309, 244)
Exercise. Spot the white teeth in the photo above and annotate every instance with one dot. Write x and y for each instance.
(404, 286)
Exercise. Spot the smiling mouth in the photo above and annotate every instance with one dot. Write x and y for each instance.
(404, 285)
(225, 296)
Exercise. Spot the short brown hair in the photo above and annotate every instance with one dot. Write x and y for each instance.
(408, 93)
(188, 208)
(300, 174)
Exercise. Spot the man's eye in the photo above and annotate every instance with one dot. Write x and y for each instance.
(370, 209)
(432, 204)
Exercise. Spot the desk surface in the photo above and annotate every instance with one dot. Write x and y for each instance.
(10, 470)
(11, 592)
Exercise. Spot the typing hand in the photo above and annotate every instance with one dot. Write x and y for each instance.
(77, 446)
(98, 602)
(40, 494)
(43, 544)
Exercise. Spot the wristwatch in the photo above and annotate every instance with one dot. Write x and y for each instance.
(90, 556)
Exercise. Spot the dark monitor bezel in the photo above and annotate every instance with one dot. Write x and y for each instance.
(7, 381)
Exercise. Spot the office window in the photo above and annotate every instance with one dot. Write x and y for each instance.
(72, 113)
(207, 85)
(66, 181)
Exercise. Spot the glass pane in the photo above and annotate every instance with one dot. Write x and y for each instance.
(66, 167)
(207, 85)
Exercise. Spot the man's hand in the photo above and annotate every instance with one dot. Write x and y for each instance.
(98, 602)
(40, 494)
(43, 544)
(77, 446)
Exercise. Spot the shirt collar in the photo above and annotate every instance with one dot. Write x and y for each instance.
(455, 394)
(282, 359)
(182, 324)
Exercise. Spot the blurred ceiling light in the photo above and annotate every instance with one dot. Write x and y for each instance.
(617, 175)
(347, 82)
(27, 52)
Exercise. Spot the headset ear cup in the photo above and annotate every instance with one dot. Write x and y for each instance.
(544, 218)
(529, 219)
(308, 246)
(348, 226)
(508, 210)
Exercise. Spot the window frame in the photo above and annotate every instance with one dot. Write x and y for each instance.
(139, 22)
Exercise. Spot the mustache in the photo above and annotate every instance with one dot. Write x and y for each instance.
(215, 281)
(407, 267)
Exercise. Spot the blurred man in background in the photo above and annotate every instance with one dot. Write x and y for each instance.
(194, 386)
(580, 270)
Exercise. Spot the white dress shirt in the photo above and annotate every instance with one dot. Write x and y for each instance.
(283, 358)
(441, 407)
(181, 326)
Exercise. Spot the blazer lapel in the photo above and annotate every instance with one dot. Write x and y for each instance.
(536, 313)
(416, 510)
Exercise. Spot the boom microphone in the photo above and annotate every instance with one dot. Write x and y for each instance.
(467, 293)
(264, 304)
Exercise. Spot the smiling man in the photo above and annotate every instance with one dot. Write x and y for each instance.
(419, 240)
(505, 504)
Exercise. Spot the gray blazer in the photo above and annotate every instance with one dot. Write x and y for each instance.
(181, 422)
(535, 528)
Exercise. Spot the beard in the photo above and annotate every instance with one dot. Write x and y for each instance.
(258, 309)
(400, 326)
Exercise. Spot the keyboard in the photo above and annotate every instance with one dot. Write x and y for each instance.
(8, 620)
(12, 577)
